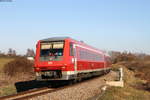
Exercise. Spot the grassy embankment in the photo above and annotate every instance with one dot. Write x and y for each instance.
(13, 70)
(130, 91)
(136, 78)
(5, 87)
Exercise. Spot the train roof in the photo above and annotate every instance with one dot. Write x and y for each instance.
(63, 38)
(55, 39)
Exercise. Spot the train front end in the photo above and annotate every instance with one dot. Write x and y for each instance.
(52, 61)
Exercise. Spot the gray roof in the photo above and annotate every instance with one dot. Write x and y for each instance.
(54, 39)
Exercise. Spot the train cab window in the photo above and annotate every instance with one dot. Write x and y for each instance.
(51, 51)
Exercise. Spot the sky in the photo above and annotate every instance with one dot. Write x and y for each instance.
(118, 25)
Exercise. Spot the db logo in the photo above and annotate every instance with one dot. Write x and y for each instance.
(50, 62)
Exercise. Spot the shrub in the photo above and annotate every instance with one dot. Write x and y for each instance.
(19, 65)
(138, 63)
(119, 57)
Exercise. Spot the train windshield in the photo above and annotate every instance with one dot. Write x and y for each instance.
(51, 51)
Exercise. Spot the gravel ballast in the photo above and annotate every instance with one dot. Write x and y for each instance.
(81, 91)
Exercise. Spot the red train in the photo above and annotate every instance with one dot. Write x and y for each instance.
(63, 58)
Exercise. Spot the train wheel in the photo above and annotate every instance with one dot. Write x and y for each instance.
(79, 79)
(107, 71)
(73, 81)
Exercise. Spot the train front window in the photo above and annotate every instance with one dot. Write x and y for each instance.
(51, 51)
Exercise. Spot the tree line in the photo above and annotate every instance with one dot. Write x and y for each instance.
(12, 52)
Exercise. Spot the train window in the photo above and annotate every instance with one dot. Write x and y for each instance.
(51, 51)
(58, 45)
(88, 55)
(46, 45)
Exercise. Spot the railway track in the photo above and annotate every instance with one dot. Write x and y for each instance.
(29, 94)
(37, 92)
(40, 91)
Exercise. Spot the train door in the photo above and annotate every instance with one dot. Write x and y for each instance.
(73, 53)
(75, 58)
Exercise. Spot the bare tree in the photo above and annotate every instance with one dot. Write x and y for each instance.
(14, 52)
(30, 53)
(10, 51)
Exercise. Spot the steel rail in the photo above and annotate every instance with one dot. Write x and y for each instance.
(28, 94)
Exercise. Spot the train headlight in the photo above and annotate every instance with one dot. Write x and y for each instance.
(72, 60)
(63, 67)
(37, 69)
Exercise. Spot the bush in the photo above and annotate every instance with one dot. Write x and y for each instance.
(148, 86)
(17, 66)
(138, 63)
(119, 57)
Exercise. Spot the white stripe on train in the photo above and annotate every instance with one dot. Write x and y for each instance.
(82, 71)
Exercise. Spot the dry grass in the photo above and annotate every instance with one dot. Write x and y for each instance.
(7, 90)
(19, 69)
(128, 92)
(18, 66)
(12, 70)
(138, 63)
(4, 61)
(5, 87)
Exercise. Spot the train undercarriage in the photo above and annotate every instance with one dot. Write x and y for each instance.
(59, 75)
